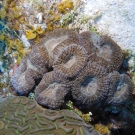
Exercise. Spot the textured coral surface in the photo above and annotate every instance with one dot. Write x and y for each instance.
(54, 38)
(91, 84)
(52, 90)
(20, 115)
(70, 61)
(121, 88)
(24, 78)
(107, 52)
(84, 59)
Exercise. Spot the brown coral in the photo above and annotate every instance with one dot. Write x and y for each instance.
(85, 40)
(90, 85)
(39, 58)
(84, 59)
(57, 50)
(52, 90)
(121, 88)
(108, 54)
(54, 38)
(24, 78)
(70, 61)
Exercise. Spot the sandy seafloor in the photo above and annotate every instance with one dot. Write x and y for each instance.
(115, 18)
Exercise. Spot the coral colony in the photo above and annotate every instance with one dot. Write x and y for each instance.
(24, 116)
(65, 66)
(50, 53)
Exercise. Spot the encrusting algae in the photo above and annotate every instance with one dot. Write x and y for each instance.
(85, 117)
(102, 129)
(65, 6)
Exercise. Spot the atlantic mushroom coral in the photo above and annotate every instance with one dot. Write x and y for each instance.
(57, 50)
(121, 88)
(24, 78)
(84, 59)
(70, 61)
(54, 38)
(39, 58)
(84, 40)
(90, 85)
(108, 54)
(52, 90)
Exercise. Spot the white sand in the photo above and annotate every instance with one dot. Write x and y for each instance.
(115, 18)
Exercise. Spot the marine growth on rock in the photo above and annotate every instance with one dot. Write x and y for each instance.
(83, 65)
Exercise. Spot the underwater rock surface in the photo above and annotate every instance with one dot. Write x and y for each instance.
(20, 115)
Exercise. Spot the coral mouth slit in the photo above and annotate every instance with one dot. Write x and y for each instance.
(51, 90)
(89, 86)
(105, 52)
(119, 85)
(69, 61)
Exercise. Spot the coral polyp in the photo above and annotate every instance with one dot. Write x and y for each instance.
(90, 85)
(52, 90)
(70, 61)
(39, 58)
(23, 80)
(107, 52)
(54, 38)
(121, 86)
